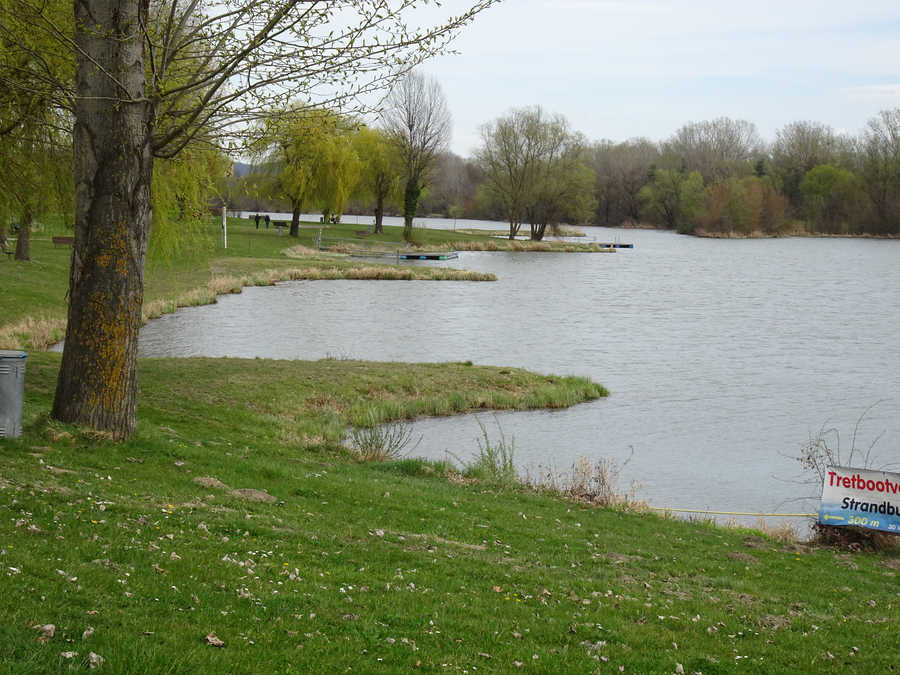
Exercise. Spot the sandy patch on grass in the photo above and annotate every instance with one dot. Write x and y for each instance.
(210, 482)
(254, 495)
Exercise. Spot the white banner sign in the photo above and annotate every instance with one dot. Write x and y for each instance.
(861, 497)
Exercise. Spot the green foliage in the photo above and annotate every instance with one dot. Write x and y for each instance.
(182, 189)
(798, 147)
(742, 206)
(672, 198)
(310, 157)
(336, 173)
(881, 169)
(379, 172)
(35, 144)
(419, 467)
(833, 199)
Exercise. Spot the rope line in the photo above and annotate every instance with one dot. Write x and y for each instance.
(736, 513)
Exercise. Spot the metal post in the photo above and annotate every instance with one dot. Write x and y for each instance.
(224, 226)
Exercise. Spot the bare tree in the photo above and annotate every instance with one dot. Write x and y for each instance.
(510, 154)
(453, 185)
(716, 148)
(880, 146)
(798, 147)
(622, 170)
(564, 187)
(537, 168)
(417, 121)
(152, 76)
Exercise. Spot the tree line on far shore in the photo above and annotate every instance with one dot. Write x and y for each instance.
(714, 177)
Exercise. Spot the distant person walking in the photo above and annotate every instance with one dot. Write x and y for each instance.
(257, 221)
(267, 221)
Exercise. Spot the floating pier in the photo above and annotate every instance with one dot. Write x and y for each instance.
(397, 255)
(453, 255)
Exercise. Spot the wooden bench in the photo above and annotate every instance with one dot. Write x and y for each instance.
(68, 241)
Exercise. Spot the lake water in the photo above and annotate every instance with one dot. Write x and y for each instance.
(721, 356)
(393, 221)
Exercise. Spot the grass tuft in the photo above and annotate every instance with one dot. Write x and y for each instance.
(495, 462)
(31, 333)
(381, 442)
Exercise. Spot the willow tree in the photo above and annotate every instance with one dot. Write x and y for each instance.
(182, 189)
(417, 122)
(510, 155)
(538, 170)
(35, 145)
(564, 186)
(379, 177)
(336, 174)
(291, 145)
(150, 77)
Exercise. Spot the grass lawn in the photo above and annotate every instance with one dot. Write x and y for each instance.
(234, 515)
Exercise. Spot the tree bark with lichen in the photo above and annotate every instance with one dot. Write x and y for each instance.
(113, 169)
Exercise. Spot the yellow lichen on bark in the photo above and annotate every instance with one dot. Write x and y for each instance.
(108, 348)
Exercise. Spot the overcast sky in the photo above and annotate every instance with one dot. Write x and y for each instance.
(618, 69)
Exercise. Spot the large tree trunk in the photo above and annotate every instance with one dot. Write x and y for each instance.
(23, 243)
(113, 167)
(295, 217)
(379, 214)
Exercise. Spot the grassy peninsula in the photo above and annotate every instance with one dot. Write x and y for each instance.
(33, 310)
(235, 533)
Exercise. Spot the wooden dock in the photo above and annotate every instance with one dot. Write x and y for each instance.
(398, 255)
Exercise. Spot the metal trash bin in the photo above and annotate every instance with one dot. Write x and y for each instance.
(12, 392)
